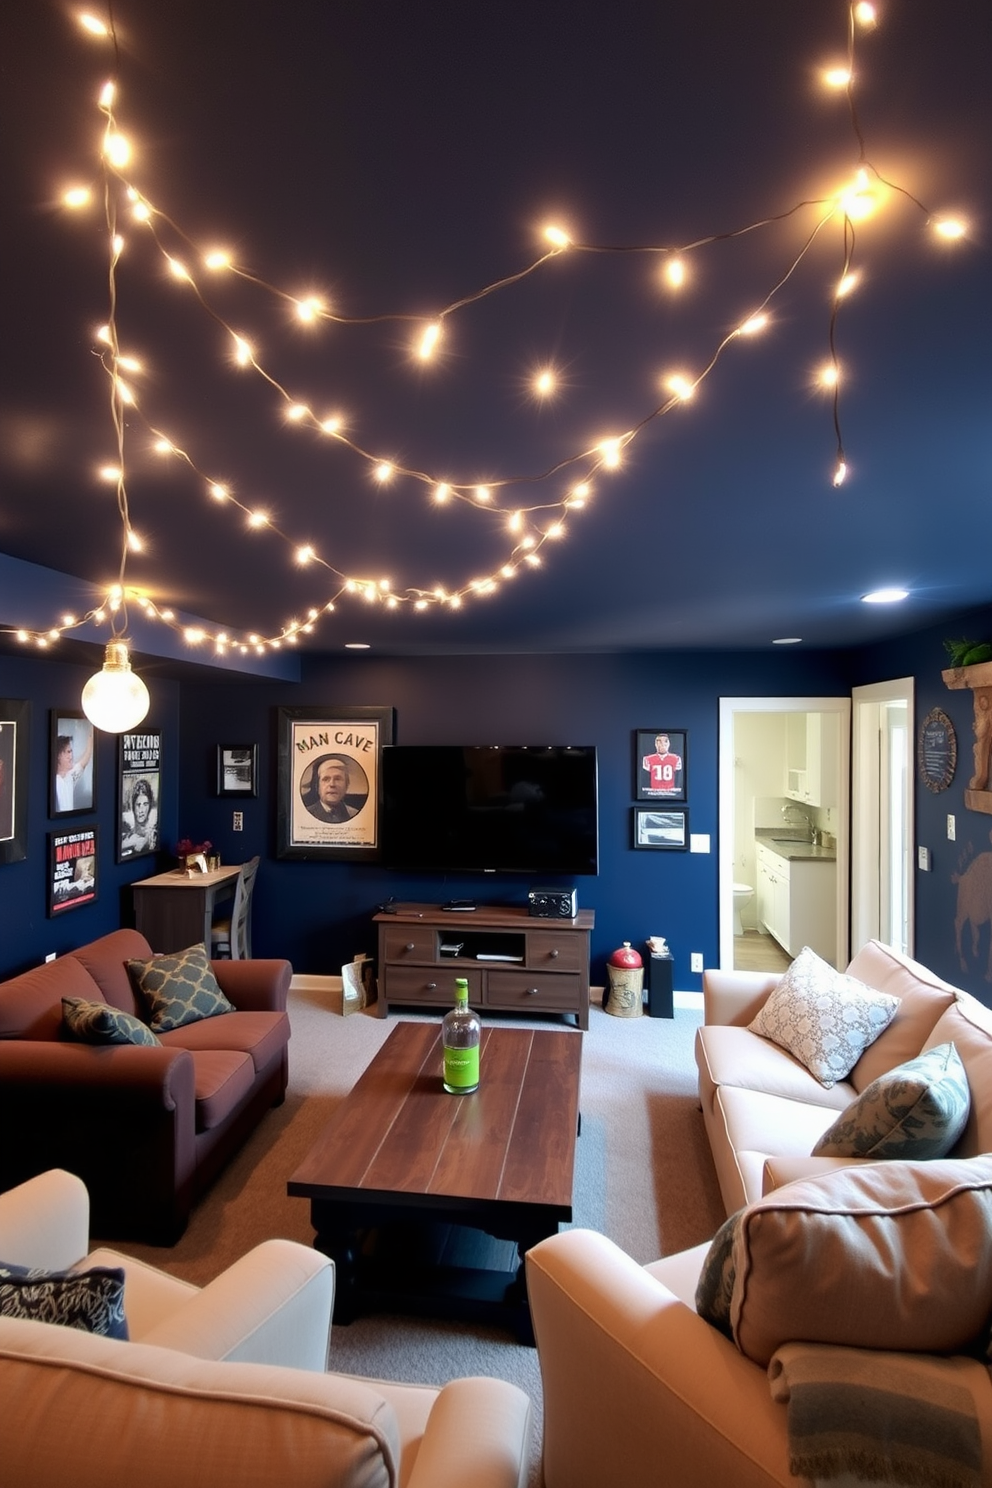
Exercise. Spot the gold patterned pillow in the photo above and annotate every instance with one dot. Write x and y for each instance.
(99, 1023)
(178, 989)
(824, 1017)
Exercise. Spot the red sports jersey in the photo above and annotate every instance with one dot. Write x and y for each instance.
(662, 770)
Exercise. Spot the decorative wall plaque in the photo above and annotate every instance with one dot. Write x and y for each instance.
(937, 750)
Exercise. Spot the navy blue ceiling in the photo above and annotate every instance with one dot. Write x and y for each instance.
(395, 156)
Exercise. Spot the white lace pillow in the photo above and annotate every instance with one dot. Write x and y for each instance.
(824, 1017)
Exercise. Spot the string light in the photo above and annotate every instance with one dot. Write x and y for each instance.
(856, 201)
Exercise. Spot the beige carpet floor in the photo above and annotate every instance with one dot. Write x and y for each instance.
(644, 1177)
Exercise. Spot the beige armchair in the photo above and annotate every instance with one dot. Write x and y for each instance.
(178, 1403)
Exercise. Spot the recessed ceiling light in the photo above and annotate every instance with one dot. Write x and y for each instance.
(787, 641)
(885, 596)
(356, 645)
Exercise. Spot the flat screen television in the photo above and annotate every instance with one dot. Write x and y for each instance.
(490, 808)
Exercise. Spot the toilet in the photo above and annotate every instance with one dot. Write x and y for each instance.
(742, 893)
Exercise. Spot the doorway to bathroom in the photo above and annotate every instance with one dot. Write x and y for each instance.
(784, 830)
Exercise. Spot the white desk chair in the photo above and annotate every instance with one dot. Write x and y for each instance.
(231, 939)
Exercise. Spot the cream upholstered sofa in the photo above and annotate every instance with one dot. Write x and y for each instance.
(871, 1267)
(764, 1111)
(201, 1393)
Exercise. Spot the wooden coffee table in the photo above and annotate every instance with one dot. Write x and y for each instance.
(412, 1190)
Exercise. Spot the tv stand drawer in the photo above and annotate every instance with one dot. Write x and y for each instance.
(528, 991)
(431, 985)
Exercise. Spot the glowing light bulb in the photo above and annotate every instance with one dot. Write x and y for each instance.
(305, 554)
(545, 383)
(674, 273)
(103, 334)
(130, 364)
(216, 259)
(163, 447)
(178, 269)
(134, 541)
(556, 530)
(218, 492)
(115, 699)
(610, 451)
(92, 24)
(840, 473)
(885, 596)
(508, 571)
(455, 601)
(243, 354)
(534, 559)
(483, 494)
(331, 425)
(107, 95)
(950, 228)
(384, 472)
(297, 411)
(865, 14)
(110, 473)
(117, 149)
(681, 386)
(308, 310)
(515, 521)
(141, 211)
(557, 236)
(858, 200)
(828, 375)
(442, 493)
(258, 519)
(420, 604)
(117, 245)
(428, 341)
(76, 197)
(847, 284)
(836, 77)
(753, 325)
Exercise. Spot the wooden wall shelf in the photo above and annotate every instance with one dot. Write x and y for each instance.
(978, 796)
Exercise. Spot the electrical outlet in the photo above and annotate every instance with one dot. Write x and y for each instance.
(238, 824)
(951, 827)
(51, 956)
(696, 961)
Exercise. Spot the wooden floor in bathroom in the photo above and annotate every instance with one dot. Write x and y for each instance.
(756, 952)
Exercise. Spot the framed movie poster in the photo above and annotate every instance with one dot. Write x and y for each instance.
(71, 870)
(73, 778)
(660, 764)
(237, 769)
(14, 716)
(329, 787)
(657, 828)
(139, 788)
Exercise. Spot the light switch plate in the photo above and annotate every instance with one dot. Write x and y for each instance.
(923, 859)
(699, 842)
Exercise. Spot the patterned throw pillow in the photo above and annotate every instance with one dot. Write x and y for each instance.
(918, 1110)
(98, 1023)
(90, 1300)
(716, 1280)
(823, 1017)
(178, 989)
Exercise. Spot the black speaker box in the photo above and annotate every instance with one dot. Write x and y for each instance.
(552, 904)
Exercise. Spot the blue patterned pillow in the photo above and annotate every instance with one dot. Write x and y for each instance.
(917, 1110)
(90, 1300)
(178, 989)
(716, 1279)
(99, 1023)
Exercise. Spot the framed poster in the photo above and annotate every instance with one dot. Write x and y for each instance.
(937, 751)
(660, 764)
(14, 717)
(656, 828)
(139, 788)
(71, 869)
(237, 769)
(329, 785)
(70, 764)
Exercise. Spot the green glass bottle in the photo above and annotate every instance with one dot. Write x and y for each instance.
(461, 1033)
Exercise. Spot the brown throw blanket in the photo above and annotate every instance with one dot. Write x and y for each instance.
(884, 1417)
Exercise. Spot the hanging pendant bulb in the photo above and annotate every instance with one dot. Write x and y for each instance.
(115, 699)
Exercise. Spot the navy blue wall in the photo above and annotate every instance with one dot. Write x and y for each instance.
(317, 914)
(923, 655)
(26, 934)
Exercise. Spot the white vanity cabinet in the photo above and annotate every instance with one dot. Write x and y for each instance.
(797, 901)
(811, 758)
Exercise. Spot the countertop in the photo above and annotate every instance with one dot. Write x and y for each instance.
(793, 849)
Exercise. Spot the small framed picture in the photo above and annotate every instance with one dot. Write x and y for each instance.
(660, 764)
(73, 778)
(140, 787)
(237, 769)
(71, 870)
(654, 827)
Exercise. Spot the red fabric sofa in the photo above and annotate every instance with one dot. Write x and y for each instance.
(147, 1129)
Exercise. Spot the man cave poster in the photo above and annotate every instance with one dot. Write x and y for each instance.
(334, 783)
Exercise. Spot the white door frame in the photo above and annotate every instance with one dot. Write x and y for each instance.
(730, 706)
(866, 813)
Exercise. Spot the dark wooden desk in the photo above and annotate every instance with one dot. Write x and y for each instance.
(174, 910)
(404, 1176)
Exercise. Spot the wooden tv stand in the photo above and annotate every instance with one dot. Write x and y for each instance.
(513, 962)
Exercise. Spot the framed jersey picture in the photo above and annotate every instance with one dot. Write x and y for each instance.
(660, 764)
